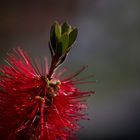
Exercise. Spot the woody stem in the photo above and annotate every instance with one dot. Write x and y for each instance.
(52, 67)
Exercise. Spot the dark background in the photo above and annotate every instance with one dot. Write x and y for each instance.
(108, 41)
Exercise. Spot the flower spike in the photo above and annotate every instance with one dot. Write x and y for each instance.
(38, 106)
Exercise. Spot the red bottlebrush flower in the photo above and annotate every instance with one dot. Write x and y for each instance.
(35, 104)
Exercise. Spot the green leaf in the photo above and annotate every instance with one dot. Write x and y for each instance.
(57, 31)
(59, 50)
(55, 35)
(51, 49)
(73, 36)
(52, 37)
(66, 28)
(52, 30)
(65, 42)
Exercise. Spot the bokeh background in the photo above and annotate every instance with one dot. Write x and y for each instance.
(108, 42)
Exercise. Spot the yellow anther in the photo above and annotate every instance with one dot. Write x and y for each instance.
(58, 82)
(47, 82)
(40, 98)
(52, 86)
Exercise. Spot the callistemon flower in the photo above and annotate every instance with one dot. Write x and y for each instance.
(34, 103)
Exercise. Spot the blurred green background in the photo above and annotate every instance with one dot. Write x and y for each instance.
(108, 42)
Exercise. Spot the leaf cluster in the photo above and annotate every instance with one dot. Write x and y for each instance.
(61, 39)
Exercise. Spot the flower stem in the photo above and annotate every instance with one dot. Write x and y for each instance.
(52, 68)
